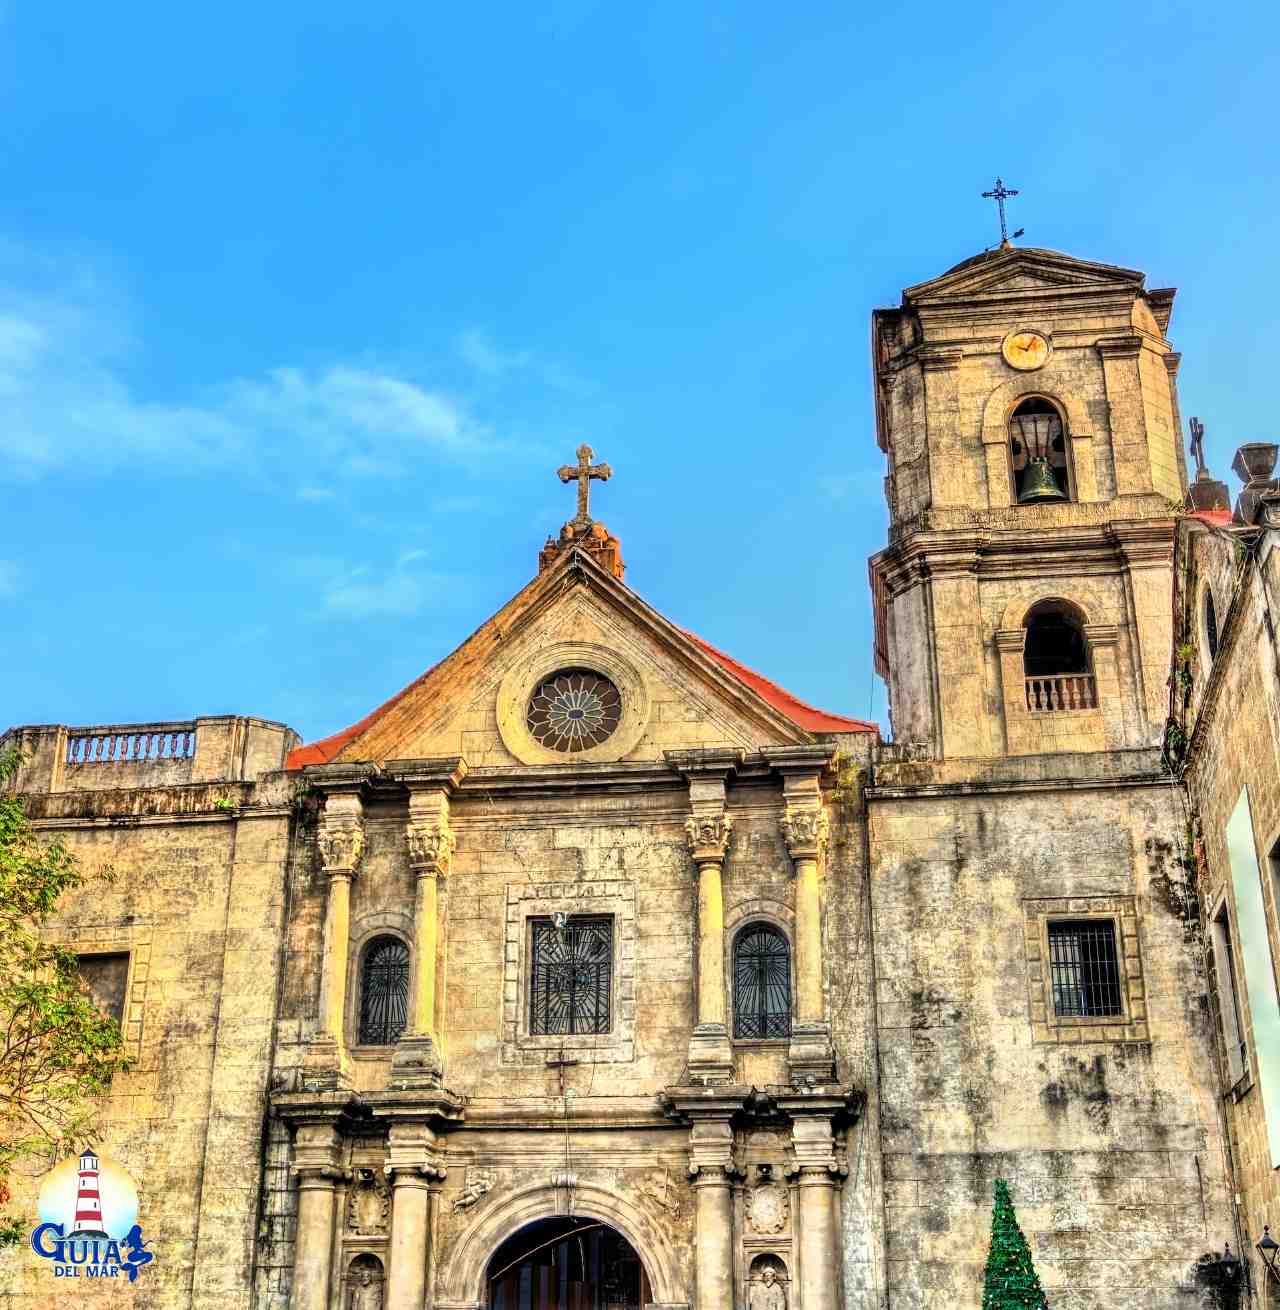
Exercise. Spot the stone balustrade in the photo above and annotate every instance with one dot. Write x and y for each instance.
(110, 756)
(134, 742)
(1075, 691)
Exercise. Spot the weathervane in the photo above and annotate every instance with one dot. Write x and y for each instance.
(1000, 195)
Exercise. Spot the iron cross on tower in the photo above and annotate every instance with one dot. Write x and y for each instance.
(584, 471)
(1000, 195)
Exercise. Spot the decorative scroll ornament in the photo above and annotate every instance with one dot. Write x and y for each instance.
(341, 847)
(368, 1204)
(767, 1208)
(708, 836)
(805, 832)
(431, 847)
(479, 1182)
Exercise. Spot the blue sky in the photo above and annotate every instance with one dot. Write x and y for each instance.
(301, 305)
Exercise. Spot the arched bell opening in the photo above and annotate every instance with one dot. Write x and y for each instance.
(567, 1263)
(1055, 659)
(1038, 454)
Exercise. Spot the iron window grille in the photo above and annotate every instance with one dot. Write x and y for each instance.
(384, 992)
(761, 983)
(1084, 970)
(572, 980)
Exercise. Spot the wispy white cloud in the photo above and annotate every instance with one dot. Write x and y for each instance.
(65, 403)
(349, 590)
(477, 350)
(365, 592)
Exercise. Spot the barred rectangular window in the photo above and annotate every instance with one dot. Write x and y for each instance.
(572, 979)
(1084, 970)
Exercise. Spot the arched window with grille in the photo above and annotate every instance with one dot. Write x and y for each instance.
(384, 991)
(761, 983)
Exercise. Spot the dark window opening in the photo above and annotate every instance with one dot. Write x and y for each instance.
(1038, 448)
(572, 982)
(105, 978)
(384, 992)
(1233, 1030)
(1054, 644)
(761, 983)
(1210, 625)
(1084, 971)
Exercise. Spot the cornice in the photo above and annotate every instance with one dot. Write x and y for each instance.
(1126, 346)
(446, 774)
(1009, 787)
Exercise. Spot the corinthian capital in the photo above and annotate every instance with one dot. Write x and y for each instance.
(708, 836)
(341, 845)
(431, 848)
(805, 832)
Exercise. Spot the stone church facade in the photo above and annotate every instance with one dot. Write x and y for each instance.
(594, 969)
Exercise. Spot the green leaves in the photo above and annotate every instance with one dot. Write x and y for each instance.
(58, 1051)
(1011, 1281)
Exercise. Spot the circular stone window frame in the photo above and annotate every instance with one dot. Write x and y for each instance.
(528, 674)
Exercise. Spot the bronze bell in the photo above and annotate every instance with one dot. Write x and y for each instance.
(1038, 432)
(1039, 482)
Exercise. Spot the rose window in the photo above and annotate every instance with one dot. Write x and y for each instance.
(574, 710)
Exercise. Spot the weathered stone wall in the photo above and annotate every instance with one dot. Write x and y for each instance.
(198, 902)
(1108, 1134)
(1234, 718)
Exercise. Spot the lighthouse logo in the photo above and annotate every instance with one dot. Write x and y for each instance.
(89, 1212)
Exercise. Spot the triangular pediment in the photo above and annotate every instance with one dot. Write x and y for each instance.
(675, 691)
(1014, 270)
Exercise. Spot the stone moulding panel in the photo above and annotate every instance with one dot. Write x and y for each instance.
(136, 943)
(526, 901)
(523, 678)
(1049, 1027)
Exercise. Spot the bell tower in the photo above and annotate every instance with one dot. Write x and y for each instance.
(1026, 401)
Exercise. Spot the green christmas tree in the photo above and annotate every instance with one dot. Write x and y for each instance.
(1012, 1282)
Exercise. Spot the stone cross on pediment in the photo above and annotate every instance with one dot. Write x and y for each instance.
(583, 472)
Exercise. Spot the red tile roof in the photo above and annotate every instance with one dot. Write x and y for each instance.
(327, 748)
(1218, 518)
(796, 710)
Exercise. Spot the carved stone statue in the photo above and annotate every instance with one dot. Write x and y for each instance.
(767, 1293)
(478, 1183)
(366, 1292)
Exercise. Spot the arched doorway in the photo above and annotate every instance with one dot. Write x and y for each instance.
(566, 1263)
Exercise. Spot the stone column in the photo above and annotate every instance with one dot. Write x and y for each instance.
(817, 1175)
(414, 1168)
(708, 830)
(317, 1171)
(712, 1167)
(418, 1059)
(805, 828)
(710, 1055)
(340, 844)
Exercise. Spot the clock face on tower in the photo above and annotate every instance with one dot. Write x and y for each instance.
(1025, 350)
